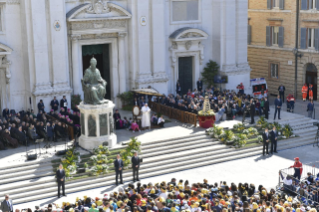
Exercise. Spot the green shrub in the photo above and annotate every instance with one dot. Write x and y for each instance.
(287, 131)
(126, 97)
(75, 100)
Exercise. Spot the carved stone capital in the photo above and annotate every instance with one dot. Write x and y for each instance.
(75, 37)
(122, 34)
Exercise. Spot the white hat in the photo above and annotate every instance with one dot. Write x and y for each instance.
(302, 208)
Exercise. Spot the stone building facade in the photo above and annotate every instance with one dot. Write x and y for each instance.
(47, 44)
(271, 41)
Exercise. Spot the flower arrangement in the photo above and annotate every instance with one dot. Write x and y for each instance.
(287, 131)
(227, 135)
(104, 150)
(128, 152)
(69, 161)
(217, 131)
(239, 127)
(259, 138)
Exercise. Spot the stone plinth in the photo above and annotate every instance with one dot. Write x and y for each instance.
(97, 125)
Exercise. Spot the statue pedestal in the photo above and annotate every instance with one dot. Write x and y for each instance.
(97, 125)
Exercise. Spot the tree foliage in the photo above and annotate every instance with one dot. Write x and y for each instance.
(210, 71)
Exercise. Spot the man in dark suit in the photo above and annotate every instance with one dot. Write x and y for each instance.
(6, 204)
(118, 165)
(199, 85)
(281, 90)
(54, 104)
(274, 137)
(266, 108)
(41, 106)
(266, 138)
(252, 112)
(278, 104)
(135, 165)
(60, 176)
(64, 103)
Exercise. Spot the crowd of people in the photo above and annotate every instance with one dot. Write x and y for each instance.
(227, 102)
(183, 196)
(25, 126)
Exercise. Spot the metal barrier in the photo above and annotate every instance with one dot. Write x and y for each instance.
(180, 115)
(302, 192)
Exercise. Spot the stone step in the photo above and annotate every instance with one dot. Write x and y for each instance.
(164, 162)
(175, 141)
(156, 152)
(172, 139)
(29, 171)
(104, 182)
(182, 145)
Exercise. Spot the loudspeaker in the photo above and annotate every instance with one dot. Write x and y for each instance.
(81, 170)
(30, 100)
(61, 152)
(141, 160)
(32, 156)
(106, 143)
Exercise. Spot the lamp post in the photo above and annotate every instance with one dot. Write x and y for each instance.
(295, 50)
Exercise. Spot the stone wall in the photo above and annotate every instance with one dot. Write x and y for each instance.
(260, 56)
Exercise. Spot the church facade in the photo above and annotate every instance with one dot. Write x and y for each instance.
(45, 45)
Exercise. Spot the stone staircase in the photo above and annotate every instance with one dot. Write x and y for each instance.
(34, 180)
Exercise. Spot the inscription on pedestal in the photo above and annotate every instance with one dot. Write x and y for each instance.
(92, 126)
(103, 124)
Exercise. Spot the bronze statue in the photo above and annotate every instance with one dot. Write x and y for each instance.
(93, 85)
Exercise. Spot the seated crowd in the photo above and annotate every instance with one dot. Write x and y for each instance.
(185, 197)
(25, 126)
(222, 102)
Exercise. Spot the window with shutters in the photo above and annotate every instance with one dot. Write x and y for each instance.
(185, 11)
(275, 3)
(274, 69)
(309, 4)
(312, 4)
(311, 38)
(275, 35)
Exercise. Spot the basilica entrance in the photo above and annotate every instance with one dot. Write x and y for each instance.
(185, 73)
(101, 53)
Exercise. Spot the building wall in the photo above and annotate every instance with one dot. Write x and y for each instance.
(41, 60)
(260, 55)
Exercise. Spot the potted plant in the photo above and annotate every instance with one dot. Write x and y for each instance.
(126, 98)
(206, 116)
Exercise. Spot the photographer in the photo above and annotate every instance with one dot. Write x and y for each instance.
(288, 187)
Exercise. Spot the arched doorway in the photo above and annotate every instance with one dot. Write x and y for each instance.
(311, 77)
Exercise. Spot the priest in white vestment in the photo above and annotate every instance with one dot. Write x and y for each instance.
(146, 116)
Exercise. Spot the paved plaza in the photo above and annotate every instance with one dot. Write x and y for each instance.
(257, 170)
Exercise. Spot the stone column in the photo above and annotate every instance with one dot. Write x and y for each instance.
(58, 45)
(77, 87)
(40, 60)
(122, 68)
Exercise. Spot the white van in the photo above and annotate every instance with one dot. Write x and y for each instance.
(258, 85)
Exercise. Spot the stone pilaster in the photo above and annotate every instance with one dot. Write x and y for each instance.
(122, 68)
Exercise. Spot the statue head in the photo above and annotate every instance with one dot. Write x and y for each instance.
(93, 62)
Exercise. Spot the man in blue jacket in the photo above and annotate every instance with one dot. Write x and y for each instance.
(278, 104)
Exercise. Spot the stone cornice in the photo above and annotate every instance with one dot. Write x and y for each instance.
(13, 1)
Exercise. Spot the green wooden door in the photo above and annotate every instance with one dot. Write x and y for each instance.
(185, 73)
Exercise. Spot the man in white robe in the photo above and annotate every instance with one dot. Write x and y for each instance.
(146, 117)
